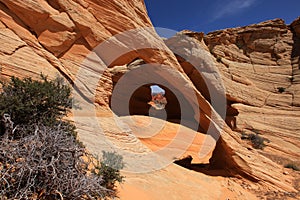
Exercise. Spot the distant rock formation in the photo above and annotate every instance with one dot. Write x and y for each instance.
(258, 64)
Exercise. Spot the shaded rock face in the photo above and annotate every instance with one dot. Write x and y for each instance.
(295, 26)
(138, 104)
(55, 37)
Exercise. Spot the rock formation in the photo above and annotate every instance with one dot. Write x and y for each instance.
(260, 67)
(111, 54)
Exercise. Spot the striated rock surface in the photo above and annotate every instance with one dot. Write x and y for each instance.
(175, 182)
(102, 48)
(260, 67)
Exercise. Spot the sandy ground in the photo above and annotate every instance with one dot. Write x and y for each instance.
(177, 183)
(171, 140)
(173, 181)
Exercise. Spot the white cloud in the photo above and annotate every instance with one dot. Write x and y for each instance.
(231, 7)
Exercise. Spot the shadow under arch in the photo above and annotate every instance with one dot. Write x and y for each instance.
(195, 76)
(138, 104)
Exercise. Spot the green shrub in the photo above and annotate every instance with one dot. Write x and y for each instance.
(281, 89)
(109, 168)
(40, 156)
(31, 101)
(292, 166)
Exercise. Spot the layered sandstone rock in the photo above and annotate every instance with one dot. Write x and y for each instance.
(260, 65)
(204, 74)
(260, 68)
(103, 48)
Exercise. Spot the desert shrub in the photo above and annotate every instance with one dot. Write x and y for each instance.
(46, 162)
(109, 168)
(30, 101)
(281, 89)
(257, 141)
(292, 166)
(40, 157)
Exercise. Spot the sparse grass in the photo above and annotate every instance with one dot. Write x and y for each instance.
(257, 141)
(281, 89)
(292, 166)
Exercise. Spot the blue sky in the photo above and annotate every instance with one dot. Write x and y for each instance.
(156, 89)
(210, 15)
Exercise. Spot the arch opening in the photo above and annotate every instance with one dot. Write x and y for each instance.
(139, 102)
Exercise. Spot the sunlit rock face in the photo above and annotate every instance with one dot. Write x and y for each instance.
(260, 67)
(102, 48)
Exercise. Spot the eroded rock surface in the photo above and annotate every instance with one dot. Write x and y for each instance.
(62, 37)
(260, 67)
